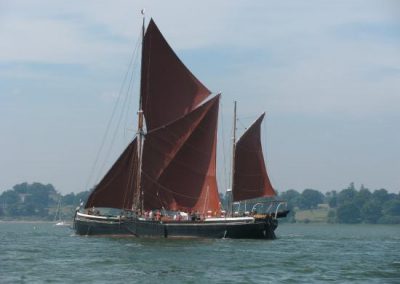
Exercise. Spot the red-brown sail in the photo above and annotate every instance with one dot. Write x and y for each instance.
(168, 89)
(116, 188)
(250, 179)
(179, 163)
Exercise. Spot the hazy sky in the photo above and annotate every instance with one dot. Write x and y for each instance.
(326, 72)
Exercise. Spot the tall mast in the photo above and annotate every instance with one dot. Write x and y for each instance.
(233, 159)
(138, 196)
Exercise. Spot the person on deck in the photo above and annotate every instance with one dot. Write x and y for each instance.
(158, 215)
(192, 216)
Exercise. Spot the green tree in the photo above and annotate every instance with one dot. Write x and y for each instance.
(9, 197)
(21, 188)
(391, 212)
(310, 198)
(40, 194)
(348, 213)
(362, 197)
(68, 199)
(28, 200)
(371, 212)
(392, 207)
(381, 195)
(347, 195)
(291, 196)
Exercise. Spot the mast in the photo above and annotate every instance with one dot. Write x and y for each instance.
(233, 159)
(138, 196)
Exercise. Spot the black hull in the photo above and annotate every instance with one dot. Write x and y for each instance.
(259, 229)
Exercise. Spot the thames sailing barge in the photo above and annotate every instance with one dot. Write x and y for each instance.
(170, 166)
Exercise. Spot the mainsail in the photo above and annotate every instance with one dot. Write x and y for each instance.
(178, 168)
(179, 162)
(250, 178)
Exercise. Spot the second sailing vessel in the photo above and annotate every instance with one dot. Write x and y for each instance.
(164, 183)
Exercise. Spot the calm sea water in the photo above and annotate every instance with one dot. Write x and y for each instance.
(41, 252)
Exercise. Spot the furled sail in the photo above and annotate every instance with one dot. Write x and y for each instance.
(179, 162)
(250, 178)
(116, 188)
(168, 89)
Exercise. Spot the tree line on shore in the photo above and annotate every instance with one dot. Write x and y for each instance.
(349, 205)
(39, 201)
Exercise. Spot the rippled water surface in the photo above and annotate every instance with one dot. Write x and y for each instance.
(41, 252)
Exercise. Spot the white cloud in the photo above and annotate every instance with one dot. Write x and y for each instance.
(60, 33)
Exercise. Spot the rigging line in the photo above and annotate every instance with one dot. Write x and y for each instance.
(117, 127)
(242, 124)
(131, 101)
(110, 120)
(223, 150)
(130, 182)
(159, 200)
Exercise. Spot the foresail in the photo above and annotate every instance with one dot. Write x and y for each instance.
(168, 89)
(250, 179)
(116, 189)
(179, 163)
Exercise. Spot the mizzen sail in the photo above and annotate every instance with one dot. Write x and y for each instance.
(250, 179)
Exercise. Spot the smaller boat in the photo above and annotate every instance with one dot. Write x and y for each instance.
(58, 218)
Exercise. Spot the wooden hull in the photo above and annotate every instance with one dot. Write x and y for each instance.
(223, 228)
